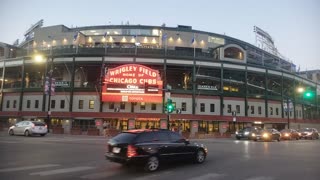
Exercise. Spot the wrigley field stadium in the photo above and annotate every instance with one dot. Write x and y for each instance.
(140, 76)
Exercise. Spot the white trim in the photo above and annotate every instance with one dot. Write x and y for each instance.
(171, 61)
(288, 75)
(13, 63)
(256, 69)
(234, 66)
(89, 59)
(149, 60)
(200, 63)
(116, 59)
(62, 59)
(274, 72)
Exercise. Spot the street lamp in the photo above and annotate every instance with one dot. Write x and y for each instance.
(39, 58)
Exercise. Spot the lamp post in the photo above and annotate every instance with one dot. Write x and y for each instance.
(49, 94)
(288, 112)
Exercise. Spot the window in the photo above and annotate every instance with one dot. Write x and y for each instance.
(175, 137)
(271, 110)
(184, 106)
(142, 106)
(91, 104)
(162, 136)
(277, 111)
(111, 105)
(80, 104)
(202, 107)
(122, 105)
(259, 110)
(53, 104)
(28, 103)
(62, 102)
(146, 137)
(36, 104)
(229, 108)
(14, 103)
(153, 106)
(212, 107)
(8, 104)
(252, 109)
(233, 53)
(238, 108)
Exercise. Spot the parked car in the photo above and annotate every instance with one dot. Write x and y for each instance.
(151, 147)
(289, 134)
(309, 133)
(267, 135)
(28, 128)
(246, 133)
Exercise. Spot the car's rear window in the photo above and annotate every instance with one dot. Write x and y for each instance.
(125, 137)
(307, 130)
(38, 123)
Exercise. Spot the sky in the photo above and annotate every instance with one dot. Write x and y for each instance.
(293, 24)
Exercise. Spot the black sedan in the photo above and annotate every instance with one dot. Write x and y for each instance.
(267, 135)
(151, 147)
(246, 133)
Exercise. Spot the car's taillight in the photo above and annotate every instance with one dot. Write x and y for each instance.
(45, 126)
(132, 151)
(32, 126)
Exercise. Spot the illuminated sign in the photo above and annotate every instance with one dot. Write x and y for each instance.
(132, 83)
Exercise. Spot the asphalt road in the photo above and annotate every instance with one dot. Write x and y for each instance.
(81, 157)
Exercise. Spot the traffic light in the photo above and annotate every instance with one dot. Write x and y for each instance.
(170, 106)
(308, 94)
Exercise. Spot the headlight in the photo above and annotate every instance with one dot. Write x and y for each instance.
(246, 133)
(299, 134)
(236, 132)
(286, 134)
(265, 135)
(309, 133)
(253, 135)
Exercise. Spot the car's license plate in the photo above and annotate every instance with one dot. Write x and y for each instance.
(40, 128)
(116, 150)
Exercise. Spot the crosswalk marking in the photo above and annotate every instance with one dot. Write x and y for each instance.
(61, 171)
(28, 167)
(209, 176)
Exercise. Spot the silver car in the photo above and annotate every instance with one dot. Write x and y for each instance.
(28, 128)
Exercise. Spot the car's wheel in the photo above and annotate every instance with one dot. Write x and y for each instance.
(42, 134)
(200, 156)
(152, 164)
(26, 133)
(279, 139)
(11, 133)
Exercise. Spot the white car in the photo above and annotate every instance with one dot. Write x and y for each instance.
(28, 128)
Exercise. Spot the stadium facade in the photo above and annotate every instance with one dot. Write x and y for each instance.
(124, 74)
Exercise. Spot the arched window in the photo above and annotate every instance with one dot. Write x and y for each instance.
(234, 53)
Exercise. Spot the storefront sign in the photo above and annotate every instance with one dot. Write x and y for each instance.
(207, 87)
(132, 83)
(62, 83)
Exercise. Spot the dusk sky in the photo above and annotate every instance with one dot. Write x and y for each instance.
(293, 24)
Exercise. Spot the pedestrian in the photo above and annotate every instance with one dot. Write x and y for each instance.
(180, 129)
(105, 126)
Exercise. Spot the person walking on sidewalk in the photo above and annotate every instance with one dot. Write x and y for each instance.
(105, 128)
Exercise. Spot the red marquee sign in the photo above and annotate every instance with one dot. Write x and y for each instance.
(132, 83)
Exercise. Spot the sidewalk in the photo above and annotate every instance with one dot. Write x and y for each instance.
(50, 134)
